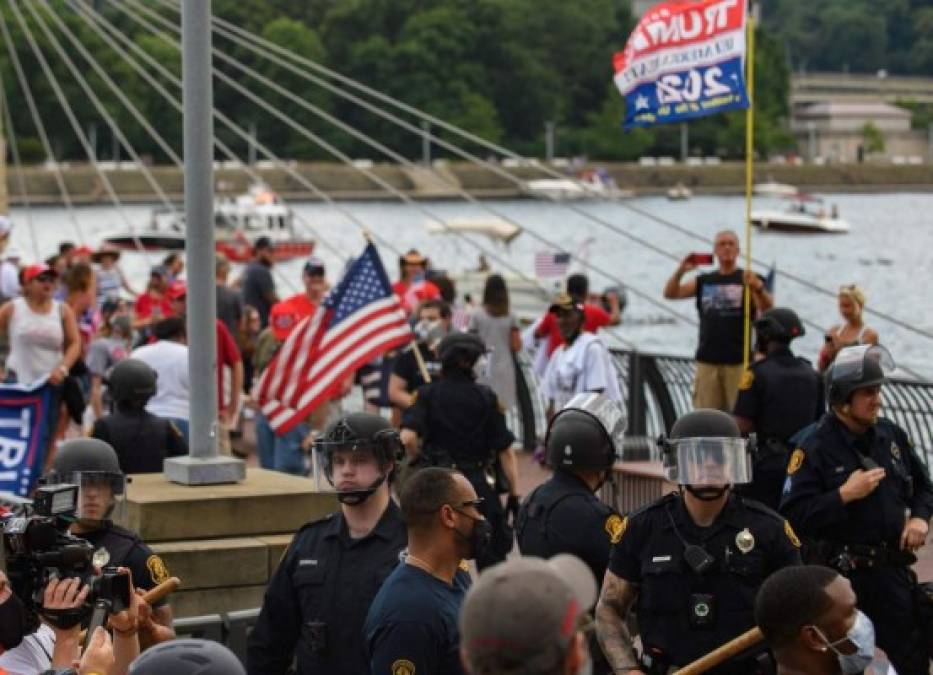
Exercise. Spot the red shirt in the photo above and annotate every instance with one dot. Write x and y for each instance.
(228, 354)
(301, 306)
(146, 303)
(594, 318)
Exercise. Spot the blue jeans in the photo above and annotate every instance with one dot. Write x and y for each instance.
(289, 458)
(265, 442)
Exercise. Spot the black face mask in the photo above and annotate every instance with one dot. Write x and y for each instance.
(14, 623)
(354, 497)
(707, 494)
(479, 537)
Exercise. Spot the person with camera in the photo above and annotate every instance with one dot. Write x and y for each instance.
(691, 563)
(461, 425)
(93, 466)
(141, 440)
(317, 600)
(862, 497)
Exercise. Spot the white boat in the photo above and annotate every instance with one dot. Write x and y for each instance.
(494, 228)
(772, 188)
(594, 184)
(800, 220)
(679, 192)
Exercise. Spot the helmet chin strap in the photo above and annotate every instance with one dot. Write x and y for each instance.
(356, 497)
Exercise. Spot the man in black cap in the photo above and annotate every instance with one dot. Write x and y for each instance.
(563, 515)
(461, 425)
(258, 284)
(778, 396)
(862, 498)
(526, 616)
(691, 563)
(318, 597)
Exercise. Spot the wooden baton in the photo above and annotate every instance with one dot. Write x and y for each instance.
(723, 653)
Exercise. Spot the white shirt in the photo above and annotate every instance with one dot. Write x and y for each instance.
(583, 366)
(32, 656)
(170, 360)
(9, 280)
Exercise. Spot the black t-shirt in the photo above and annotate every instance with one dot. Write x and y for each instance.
(229, 308)
(720, 304)
(406, 367)
(258, 287)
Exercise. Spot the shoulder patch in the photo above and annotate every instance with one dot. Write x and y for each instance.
(500, 405)
(157, 569)
(464, 565)
(748, 378)
(615, 527)
(796, 461)
(403, 667)
(789, 531)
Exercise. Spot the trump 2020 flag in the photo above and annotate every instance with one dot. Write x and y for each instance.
(684, 60)
(24, 434)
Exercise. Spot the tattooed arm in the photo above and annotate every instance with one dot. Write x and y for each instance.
(615, 600)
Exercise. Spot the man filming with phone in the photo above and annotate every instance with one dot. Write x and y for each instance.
(720, 302)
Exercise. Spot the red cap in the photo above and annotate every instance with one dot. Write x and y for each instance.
(177, 290)
(83, 250)
(282, 318)
(33, 271)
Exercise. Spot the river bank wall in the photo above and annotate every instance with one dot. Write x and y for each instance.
(84, 185)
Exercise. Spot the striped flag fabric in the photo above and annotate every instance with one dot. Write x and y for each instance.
(551, 263)
(359, 320)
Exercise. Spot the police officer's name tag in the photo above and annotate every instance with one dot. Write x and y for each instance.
(661, 558)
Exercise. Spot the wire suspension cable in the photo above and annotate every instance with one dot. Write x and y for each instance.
(354, 84)
(20, 179)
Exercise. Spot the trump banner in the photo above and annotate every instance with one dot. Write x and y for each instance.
(24, 431)
(683, 60)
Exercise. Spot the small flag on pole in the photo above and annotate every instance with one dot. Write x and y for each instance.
(361, 319)
(551, 264)
(685, 59)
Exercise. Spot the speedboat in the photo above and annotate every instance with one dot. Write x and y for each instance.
(592, 184)
(679, 192)
(494, 228)
(772, 188)
(798, 218)
(238, 224)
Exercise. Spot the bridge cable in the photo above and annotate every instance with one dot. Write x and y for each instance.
(20, 179)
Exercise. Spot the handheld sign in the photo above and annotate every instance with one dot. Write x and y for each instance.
(683, 60)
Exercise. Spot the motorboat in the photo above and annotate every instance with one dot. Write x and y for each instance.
(494, 228)
(800, 219)
(679, 192)
(591, 184)
(772, 188)
(238, 223)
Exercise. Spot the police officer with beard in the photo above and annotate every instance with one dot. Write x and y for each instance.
(862, 498)
(563, 514)
(690, 564)
(317, 599)
(461, 425)
(778, 396)
(141, 440)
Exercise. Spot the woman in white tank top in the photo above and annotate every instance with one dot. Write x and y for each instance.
(852, 332)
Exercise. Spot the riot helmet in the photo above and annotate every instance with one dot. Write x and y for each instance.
(460, 351)
(93, 466)
(188, 656)
(355, 433)
(586, 433)
(778, 324)
(706, 454)
(132, 381)
(856, 368)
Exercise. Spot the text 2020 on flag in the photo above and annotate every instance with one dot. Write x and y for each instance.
(358, 321)
(685, 59)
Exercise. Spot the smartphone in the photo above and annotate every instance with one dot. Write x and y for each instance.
(701, 258)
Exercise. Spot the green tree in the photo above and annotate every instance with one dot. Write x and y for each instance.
(872, 137)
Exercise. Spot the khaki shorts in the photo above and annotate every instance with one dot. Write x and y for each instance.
(716, 385)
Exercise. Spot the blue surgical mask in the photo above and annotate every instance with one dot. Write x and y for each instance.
(862, 635)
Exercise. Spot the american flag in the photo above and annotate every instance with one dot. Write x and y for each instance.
(358, 321)
(551, 263)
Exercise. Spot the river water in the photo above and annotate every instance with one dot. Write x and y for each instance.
(889, 253)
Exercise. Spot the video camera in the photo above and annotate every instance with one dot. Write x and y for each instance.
(37, 548)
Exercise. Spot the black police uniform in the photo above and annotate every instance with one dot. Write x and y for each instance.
(317, 600)
(413, 624)
(141, 440)
(862, 539)
(463, 426)
(564, 516)
(126, 549)
(682, 613)
(781, 394)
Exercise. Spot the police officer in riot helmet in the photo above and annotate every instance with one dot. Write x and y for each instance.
(141, 440)
(563, 515)
(861, 496)
(778, 396)
(316, 602)
(187, 657)
(461, 425)
(92, 465)
(691, 563)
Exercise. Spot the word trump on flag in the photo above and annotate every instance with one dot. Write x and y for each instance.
(685, 59)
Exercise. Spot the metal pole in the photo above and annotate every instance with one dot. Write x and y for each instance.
(92, 140)
(251, 151)
(684, 142)
(203, 466)
(549, 140)
(425, 142)
(930, 143)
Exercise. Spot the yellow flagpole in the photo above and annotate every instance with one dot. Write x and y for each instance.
(749, 173)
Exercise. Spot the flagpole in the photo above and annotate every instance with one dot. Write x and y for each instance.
(749, 175)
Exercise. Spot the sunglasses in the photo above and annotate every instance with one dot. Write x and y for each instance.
(471, 502)
(45, 278)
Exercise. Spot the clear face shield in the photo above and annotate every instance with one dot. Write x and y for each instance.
(607, 412)
(101, 495)
(862, 363)
(707, 462)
